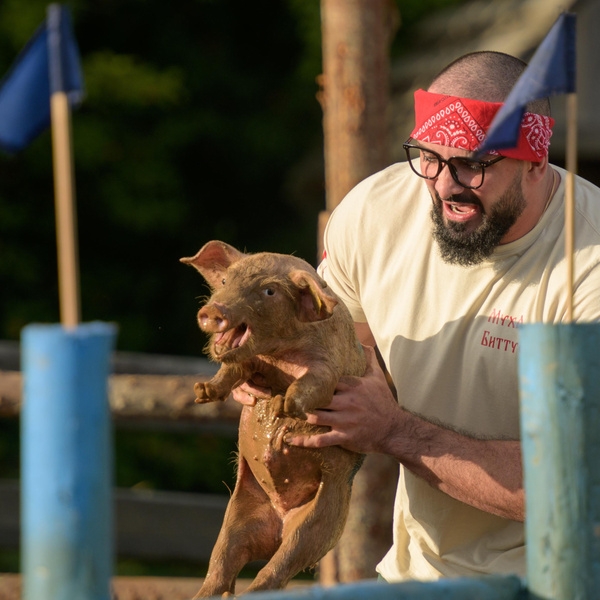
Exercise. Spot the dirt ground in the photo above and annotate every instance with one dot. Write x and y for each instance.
(135, 588)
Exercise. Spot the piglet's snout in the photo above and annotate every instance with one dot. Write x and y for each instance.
(212, 318)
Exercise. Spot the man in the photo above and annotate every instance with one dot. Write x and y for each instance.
(439, 259)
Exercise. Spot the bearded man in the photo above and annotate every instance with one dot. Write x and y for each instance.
(439, 259)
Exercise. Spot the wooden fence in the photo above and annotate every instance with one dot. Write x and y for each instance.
(559, 369)
(151, 392)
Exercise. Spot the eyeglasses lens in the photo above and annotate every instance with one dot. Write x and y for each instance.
(466, 172)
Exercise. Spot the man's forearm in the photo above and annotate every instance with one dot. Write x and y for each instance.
(486, 474)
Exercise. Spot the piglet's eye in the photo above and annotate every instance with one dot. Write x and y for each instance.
(269, 291)
(223, 281)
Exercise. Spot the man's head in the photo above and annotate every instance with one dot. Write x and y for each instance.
(488, 76)
(452, 118)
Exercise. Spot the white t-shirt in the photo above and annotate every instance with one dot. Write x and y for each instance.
(449, 337)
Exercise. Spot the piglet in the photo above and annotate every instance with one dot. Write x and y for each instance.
(271, 318)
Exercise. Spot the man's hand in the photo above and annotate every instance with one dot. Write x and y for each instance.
(249, 392)
(364, 417)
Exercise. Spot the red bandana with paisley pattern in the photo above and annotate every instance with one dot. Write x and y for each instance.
(462, 123)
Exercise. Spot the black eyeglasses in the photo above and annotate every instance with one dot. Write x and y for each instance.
(467, 172)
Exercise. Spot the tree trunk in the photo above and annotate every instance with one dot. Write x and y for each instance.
(355, 101)
(354, 92)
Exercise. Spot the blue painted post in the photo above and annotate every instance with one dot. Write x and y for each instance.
(560, 421)
(66, 464)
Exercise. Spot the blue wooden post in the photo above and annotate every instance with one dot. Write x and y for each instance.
(560, 421)
(66, 465)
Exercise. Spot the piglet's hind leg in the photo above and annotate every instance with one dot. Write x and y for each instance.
(251, 531)
(309, 532)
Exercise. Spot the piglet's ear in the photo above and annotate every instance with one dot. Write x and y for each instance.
(314, 303)
(212, 260)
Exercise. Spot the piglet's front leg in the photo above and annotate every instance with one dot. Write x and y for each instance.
(313, 390)
(220, 386)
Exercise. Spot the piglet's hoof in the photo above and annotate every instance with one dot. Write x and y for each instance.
(286, 407)
(206, 393)
(278, 403)
(201, 395)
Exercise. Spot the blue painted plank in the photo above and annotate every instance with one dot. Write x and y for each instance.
(476, 588)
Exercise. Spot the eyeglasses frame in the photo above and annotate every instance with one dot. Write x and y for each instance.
(442, 162)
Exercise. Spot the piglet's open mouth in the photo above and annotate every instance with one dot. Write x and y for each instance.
(231, 339)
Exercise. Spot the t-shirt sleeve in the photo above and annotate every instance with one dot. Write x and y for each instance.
(339, 266)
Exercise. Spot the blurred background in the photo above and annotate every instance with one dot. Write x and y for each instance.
(201, 122)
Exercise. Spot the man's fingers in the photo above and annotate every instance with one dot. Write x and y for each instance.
(331, 438)
(247, 393)
(243, 397)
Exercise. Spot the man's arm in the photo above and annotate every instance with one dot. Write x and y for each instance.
(365, 417)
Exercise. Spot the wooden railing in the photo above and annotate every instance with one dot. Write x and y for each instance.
(152, 392)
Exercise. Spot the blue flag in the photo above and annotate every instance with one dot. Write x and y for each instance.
(551, 71)
(48, 63)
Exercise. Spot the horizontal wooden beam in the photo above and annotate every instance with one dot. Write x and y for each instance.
(125, 362)
(145, 389)
(141, 398)
(156, 525)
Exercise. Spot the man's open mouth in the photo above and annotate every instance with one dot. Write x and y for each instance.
(462, 209)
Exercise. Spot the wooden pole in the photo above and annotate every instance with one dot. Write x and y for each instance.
(62, 154)
(355, 100)
(571, 166)
(354, 97)
(66, 220)
(560, 419)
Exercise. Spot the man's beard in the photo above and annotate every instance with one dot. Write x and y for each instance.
(467, 248)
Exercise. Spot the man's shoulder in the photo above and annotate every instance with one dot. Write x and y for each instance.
(394, 173)
(387, 205)
(392, 184)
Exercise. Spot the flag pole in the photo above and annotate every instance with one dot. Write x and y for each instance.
(64, 188)
(571, 166)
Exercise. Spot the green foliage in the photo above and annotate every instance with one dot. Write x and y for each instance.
(412, 12)
(196, 114)
(9, 449)
(170, 461)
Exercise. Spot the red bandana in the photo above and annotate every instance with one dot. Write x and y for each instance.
(462, 123)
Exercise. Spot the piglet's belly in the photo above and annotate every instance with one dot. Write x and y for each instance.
(290, 476)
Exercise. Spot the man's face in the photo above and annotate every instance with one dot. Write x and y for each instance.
(469, 224)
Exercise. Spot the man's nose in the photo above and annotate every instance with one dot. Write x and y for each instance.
(445, 185)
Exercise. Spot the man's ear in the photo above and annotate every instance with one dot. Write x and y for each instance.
(537, 170)
(313, 302)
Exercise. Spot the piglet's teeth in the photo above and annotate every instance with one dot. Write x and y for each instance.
(231, 339)
(240, 336)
